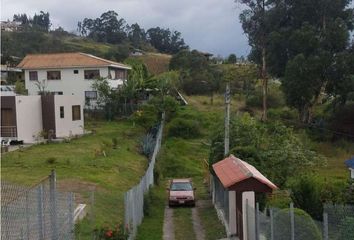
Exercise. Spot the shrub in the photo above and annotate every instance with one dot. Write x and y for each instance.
(305, 227)
(148, 145)
(306, 194)
(146, 117)
(119, 233)
(51, 160)
(346, 228)
(147, 204)
(114, 143)
(184, 128)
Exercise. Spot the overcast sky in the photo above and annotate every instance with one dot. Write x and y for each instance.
(206, 25)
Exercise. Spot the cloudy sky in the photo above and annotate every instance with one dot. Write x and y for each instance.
(206, 25)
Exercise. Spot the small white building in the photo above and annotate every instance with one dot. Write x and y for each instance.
(71, 74)
(26, 118)
(350, 165)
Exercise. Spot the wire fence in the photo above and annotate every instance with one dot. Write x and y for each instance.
(134, 198)
(290, 223)
(36, 213)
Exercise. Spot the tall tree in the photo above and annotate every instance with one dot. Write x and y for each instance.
(308, 50)
(254, 24)
(232, 58)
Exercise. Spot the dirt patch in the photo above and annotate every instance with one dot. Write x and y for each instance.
(168, 227)
(79, 188)
(197, 225)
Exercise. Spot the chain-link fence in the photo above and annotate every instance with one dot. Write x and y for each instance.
(134, 198)
(220, 198)
(36, 213)
(295, 224)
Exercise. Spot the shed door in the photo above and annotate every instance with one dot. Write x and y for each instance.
(7, 118)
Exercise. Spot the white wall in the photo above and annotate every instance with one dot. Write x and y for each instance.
(66, 126)
(29, 117)
(70, 83)
(248, 215)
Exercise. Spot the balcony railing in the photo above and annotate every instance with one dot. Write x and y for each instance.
(8, 131)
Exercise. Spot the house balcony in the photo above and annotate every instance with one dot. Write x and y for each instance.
(8, 132)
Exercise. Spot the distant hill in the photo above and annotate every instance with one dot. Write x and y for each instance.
(155, 62)
(20, 44)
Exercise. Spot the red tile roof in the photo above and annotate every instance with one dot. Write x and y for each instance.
(66, 60)
(232, 170)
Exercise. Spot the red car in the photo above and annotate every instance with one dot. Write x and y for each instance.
(181, 192)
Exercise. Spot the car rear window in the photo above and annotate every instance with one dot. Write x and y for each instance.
(181, 186)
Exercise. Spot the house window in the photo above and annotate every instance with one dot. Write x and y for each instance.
(76, 71)
(57, 93)
(76, 112)
(61, 111)
(90, 95)
(53, 75)
(92, 74)
(33, 75)
(120, 74)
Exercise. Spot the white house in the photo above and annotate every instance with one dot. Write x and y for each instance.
(70, 73)
(25, 118)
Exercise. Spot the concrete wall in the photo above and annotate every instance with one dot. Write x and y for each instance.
(70, 83)
(29, 117)
(64, 127)
(248, 215)
(351, 173)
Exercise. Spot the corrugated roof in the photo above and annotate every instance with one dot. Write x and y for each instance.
(350, 163)
(232, 170)
(66, 60)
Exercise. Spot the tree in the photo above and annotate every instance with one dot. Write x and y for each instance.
(308, 49)
(20, 88)
(41, 21)
(136, 35)
(271, 147)
(232, 59)
(107, 28)
(166, 41)
(254, 24)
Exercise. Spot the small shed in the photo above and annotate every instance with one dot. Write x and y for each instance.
(242, 181)
(350, 165)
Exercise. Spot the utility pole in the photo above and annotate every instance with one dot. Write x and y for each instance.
(227, 119)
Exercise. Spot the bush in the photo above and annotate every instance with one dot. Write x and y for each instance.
(51, 160)
(147, 204)
(184, 128)
(146, 117)
(306, 194)
(305, 227)
(346, 228)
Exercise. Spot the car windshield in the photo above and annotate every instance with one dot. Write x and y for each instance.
(181, 186)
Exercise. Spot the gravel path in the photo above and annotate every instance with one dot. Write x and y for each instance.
(197, 225)
(168, 228)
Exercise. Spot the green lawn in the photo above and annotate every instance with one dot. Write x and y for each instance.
(82, 169)
(184, 158)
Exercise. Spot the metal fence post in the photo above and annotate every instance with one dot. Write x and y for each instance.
(71, 216)
(292, 221)
(53, 205)
(27, 219)
(257, 221)
(246, 223)
(271, 224)
(40, 212)
(325, 226)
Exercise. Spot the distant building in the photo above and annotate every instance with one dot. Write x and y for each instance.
(71, 74)
(350, 165)
(10, 26)
(137, 52)
(7, 90)
(10, 74)
(26, 118)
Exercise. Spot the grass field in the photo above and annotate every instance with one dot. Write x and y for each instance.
(81, 169)
(156, 63)
(185, 158)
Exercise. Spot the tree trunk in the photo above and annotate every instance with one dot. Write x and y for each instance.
(264, 84)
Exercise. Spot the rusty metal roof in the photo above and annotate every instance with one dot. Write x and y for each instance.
(66, 60)
(232, 170)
